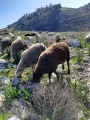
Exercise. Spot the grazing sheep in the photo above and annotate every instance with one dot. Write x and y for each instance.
(5, 42)
(30, 34)
(57, 38)
(51, 34)
(38, 38)
(29, 57)
(63, 38)
(17, 45)
(87, 37)
(48, 60)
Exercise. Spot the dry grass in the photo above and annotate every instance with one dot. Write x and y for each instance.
(55, 101)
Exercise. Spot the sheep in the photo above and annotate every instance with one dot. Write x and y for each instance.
(87, 37)
(5, 42)
(49, 59)
(17, 45)
(30, 34)
(38, 37)
(29, 57)
(51, 34)
(57, 38)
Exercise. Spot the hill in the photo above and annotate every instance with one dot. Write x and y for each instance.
(55, 18)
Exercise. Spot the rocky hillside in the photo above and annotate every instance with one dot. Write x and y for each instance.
(55, 18)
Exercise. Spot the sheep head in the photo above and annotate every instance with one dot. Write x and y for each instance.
(36, 77)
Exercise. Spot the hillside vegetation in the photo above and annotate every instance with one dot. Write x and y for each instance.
(55, 18)
(65, 99)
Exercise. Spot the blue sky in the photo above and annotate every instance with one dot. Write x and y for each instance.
(12, 10)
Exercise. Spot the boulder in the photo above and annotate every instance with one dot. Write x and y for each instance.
(3, 63)
(73, 43)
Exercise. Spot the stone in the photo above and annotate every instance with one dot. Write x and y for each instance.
(73, 43)
(14, 118)
(2, 97)
(21, 87)
(1, 37)
(5, 81)
(15, 81)
(3, 63)
(31, 87)
(33, 117)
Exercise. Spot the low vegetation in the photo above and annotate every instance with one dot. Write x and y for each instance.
(48, 100)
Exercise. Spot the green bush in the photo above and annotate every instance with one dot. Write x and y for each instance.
(79, 57)
(13, 92)
(80, 90)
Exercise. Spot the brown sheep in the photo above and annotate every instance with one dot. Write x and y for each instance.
(17, 45)
(5, 42)
(48, 60)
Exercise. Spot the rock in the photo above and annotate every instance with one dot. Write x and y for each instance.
(31, 87)
(86, 59)
(14, 117)
(88, 70)
(73, 43)
(80, 115)
(5, 81)
(70, 36)
(29, 38)
(1, 37)
(33, 117)
(3, 63)
(15, 81)
(20, 109)
(11, 35)
(14, 66)
(21, 87)
(2, 97)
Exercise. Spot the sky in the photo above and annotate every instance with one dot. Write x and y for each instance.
(12, 10)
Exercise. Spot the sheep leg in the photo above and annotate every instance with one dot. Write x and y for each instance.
(62, 68)
(49, 76)
(57, 75)
(68, 68)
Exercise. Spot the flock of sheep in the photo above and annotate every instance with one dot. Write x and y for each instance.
(46, 59)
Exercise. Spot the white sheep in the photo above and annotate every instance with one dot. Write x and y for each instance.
(29, 57)
(87, 37)
(38, 38)
(57, 38)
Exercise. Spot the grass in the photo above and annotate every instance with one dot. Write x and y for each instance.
(79, 88)
(13, 92)
(4, 116)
